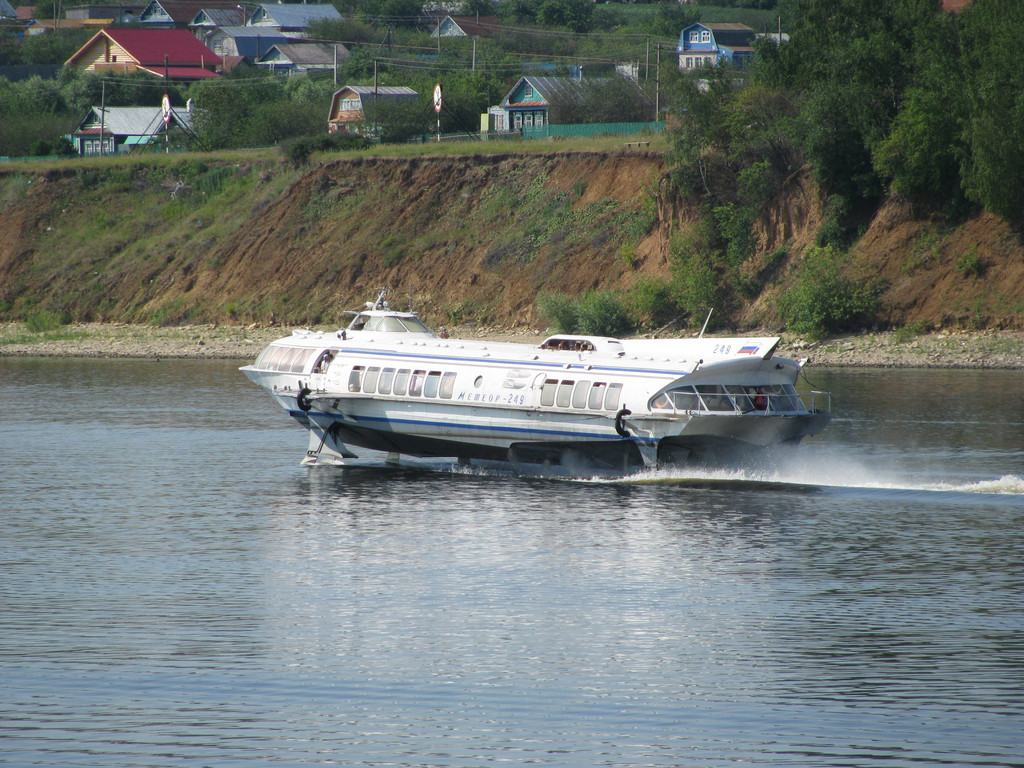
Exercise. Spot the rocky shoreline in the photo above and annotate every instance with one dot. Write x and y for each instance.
(987, 349)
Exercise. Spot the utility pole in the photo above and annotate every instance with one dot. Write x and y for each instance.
(657, 82)
(103, 114)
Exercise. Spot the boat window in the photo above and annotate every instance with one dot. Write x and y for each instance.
(370, 379)
(392, 325)
(430, 387)
(384, 384)
(714, 397)
(739, 396)
(270, 358)
(372, 324)
(685, 399)
(447, 385)
(564, 396)
(611, 400)
(414, 325)
(284, 363)
(416, 383)
(355, 378)
(358, 322)
(547, 392)
(299, 361)
(661, 403)
(401, 381)
(597, 393)
(579, 395)
(264, 357)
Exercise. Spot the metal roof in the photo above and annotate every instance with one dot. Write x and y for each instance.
(131, 121)
(7, 10)
(306, 54)
(293, 15)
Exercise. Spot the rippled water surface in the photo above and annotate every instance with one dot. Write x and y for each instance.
(176, 590)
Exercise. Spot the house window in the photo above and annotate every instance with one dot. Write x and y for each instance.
(518, 121)
(689, 62)
(705, 36)
(527, 93)
(695, 36)
(349, 105)
(529, 120)
(538, 119)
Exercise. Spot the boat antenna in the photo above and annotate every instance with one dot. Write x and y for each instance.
(706, 321)
(382, 299)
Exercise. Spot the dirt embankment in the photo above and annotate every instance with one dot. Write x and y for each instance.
(474, 237)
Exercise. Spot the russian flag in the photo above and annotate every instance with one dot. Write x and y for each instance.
(749, 349)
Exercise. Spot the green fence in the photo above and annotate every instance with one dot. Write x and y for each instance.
(590, 129)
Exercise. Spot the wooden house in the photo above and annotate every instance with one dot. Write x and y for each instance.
(304, 57)
(467, 26)
(121, 129)
(292, 17)
(353, 105)
(180, 13)
(529, 101)
(170, 53)
(249, 43)
(710, 44)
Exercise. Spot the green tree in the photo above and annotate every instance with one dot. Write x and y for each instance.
(574, 15)
(993, 31)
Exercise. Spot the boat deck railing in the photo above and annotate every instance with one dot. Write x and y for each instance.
(742, 401)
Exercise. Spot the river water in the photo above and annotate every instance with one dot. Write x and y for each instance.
(175, 590)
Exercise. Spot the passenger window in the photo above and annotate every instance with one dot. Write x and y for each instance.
(739, 396)
(714, 397)
(685, 399)
(284, 363)
(370, 380)
(579, 395)
(384, 384)
(547, 393)
(597, 393)
(430, 387)
(373, 324)
(611, 400)
(401, 381)
(355, 378)
(299, 361)
(416, 383)
(393, 325)
(564, 396)
(447, 385)
(273, 357)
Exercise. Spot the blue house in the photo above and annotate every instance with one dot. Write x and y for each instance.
(710, 44)
(528, 102)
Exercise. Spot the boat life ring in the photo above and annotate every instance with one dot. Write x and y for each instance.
(302, 399)
(619, 426)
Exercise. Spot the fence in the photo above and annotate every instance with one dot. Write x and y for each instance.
(590, 129)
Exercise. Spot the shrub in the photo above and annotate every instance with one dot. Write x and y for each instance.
(824, 301)
(299, 149)
(44, 320)
(969, 263)
(595, 313)
(651, 301)
(558, 309)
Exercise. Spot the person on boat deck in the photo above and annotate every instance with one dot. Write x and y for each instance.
(324, 362)
(760, 399)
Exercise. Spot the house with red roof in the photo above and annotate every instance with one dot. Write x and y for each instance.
(170, 53)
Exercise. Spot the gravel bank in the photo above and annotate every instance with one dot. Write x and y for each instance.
(993, 349)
